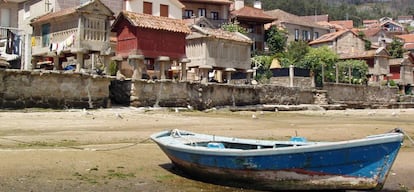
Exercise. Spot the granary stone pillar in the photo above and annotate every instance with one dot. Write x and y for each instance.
(249, 75)
(183, 63)
(79, 57)
(228, 73)
(204, 72)
(56, 62)
(163, 60)
(137, 62)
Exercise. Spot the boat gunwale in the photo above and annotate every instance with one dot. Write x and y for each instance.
(313, 147)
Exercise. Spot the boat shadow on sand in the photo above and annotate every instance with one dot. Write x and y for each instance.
(236, 185)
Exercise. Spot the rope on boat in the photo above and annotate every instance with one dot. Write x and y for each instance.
(399, 130)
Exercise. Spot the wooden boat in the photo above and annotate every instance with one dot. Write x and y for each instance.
(296, 164)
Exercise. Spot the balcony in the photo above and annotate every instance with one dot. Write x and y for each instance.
(67, 40)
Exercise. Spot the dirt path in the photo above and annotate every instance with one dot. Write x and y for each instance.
(109, 150)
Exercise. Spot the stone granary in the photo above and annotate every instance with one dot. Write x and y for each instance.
(149, 46)
(217, 50)
(82, 32)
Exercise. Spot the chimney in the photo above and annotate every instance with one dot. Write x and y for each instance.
(238, 4)
(257, 4)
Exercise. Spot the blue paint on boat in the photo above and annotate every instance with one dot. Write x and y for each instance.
(354, 164)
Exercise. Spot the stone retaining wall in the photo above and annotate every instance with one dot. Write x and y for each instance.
(52, 89)
(169, 93)
(361, 96)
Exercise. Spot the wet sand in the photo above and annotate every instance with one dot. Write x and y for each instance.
(109, 149)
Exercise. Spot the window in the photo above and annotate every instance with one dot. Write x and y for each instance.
(148, 8)
(188, 14)
(163, 10)
(214, 15)
(315, 35)
(305, 35)
(296, 34)
(5, 17)
(202, 12)
(26, 7)
(45, 35)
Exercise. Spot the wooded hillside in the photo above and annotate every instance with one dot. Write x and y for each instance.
(356, 10)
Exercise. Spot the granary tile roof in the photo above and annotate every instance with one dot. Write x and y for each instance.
(219, 34)
(251, 12)
(51, 15)
(68, 11)
(155, 22)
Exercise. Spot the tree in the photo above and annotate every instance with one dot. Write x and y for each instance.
(396, 49)
(262, 64)
(318, 60)
(234, 27)
(276, 39)
(295, 52)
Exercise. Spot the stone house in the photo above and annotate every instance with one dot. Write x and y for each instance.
(163, 8)
(377, 36)
(79, 32)
(222, 52)
(349, 45)
(344, 43)
(253, 19)
(216, 12)
(149, 45)
(298, 28)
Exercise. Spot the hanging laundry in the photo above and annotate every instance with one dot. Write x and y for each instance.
(10, 42)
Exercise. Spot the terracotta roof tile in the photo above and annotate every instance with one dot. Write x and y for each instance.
(316, 18)
(347, 24)
(51, 15)
(409, 46)
(208, 1)
(285, 17)
(155, 22)
(328, 37)
(407, 38)
(371, 31)
(250, 12)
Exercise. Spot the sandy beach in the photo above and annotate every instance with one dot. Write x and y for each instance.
(109, 149)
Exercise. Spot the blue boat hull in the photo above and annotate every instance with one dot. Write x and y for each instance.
(362, 167)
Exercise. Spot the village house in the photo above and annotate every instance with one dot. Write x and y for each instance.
(377, 36)
(11, 38)
(216, 12)
(221, 52)
(79, 32)
(405, 19)
(149, 46)
(349, 45)
(253, 19)
(297, 28)
(162, 8)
